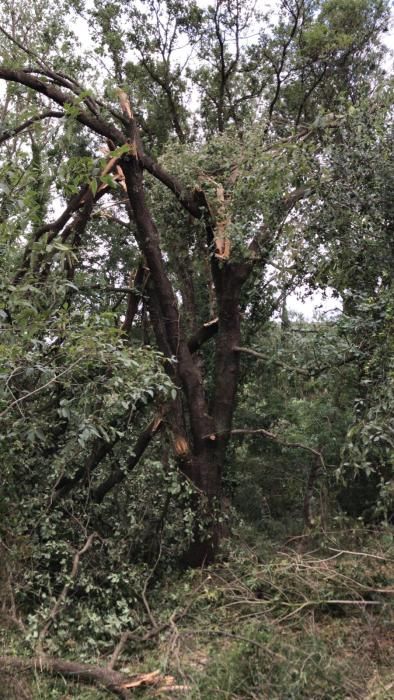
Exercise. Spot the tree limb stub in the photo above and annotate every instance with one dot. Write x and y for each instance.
(205, 333)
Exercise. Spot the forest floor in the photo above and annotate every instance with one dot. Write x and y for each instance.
(309, 619)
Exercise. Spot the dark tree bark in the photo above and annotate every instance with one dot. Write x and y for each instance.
(200, 429)
(202, 457)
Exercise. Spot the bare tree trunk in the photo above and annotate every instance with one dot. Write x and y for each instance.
(201, 435)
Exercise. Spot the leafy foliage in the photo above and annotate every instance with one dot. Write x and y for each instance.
(164, 190)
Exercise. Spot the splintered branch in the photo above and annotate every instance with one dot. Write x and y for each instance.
(125, 105)
(187, 198)
(84, 673)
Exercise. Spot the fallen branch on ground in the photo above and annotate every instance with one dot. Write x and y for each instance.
(115, 682)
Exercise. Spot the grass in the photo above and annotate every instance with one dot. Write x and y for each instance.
(312, 619)
(315, 624)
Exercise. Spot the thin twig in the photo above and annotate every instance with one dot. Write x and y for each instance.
(128, 635)
(276, 438)
(312, 372)
(261, 356)
(145, 588)
(10, 133)
(40, 388)
(358, 554)
(309, 603)
(231, 635)
(64, 592)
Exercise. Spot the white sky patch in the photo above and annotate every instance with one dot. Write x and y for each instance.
(313, 305)
(309, 305)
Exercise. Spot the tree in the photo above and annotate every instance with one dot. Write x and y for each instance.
(201, 201)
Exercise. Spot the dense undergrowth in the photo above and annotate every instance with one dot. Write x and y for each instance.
(310, 617)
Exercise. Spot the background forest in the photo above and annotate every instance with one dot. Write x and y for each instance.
(196, 490)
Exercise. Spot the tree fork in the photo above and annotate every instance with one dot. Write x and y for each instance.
(204, 463)
(148, 241)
